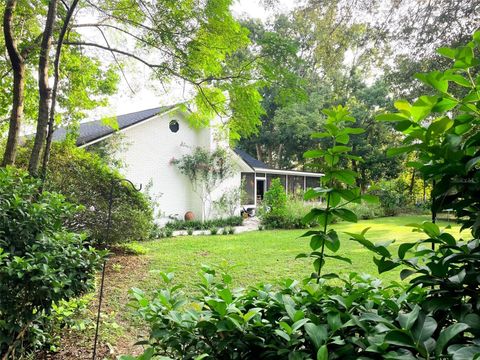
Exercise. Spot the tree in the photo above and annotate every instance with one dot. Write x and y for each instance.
(206, 171)
(193, 41)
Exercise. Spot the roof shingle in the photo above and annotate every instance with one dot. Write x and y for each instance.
(94, 130)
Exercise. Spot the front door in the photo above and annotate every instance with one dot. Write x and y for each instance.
(260, 189)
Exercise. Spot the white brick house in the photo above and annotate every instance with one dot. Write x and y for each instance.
(155, 136)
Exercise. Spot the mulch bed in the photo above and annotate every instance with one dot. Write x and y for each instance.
(123, 272)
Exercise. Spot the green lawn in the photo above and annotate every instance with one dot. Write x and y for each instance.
(267, 256)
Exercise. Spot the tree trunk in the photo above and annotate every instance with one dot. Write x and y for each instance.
(18, 67)
(412, 183)
(259, 152)
(56, 78)
(43, 89)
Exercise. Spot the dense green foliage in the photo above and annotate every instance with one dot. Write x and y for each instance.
(280, 211)
(41, 262)
(436, 316)
(205, 170)
(204, 225)
(70, 167)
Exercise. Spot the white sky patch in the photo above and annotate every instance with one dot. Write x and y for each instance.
(149, 93)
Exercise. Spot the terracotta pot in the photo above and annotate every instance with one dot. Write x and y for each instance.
(189, 216)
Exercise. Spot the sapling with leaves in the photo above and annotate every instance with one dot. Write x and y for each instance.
(443, 130)
(338, 188)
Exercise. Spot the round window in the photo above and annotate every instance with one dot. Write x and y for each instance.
(173, 126)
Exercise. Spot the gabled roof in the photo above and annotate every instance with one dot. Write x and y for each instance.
(250, 160)
(95, 130)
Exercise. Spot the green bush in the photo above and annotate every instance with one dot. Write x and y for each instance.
(84, 179)
(205, 225)
(367, 211)
(393, 196)
(275, 199)
(41, 262)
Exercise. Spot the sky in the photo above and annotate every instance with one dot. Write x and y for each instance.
(147, 94)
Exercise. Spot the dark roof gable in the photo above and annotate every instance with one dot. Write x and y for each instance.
(94, 130)
(250, 160)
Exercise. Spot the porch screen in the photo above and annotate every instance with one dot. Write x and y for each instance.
(313, 182)
(248, 183)
(295, 185)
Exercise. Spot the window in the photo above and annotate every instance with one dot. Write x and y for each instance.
(174, 126)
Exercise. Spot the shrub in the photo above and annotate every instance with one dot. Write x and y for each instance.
(393, 196)
(190, 231)
(213, 231)
(168, 233)
(279, 211)
(231, 230)
(205, 225)
(275, 199)
(84, 179)
(367, 211)
(41, 263)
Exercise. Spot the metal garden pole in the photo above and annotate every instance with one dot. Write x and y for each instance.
(107, 238)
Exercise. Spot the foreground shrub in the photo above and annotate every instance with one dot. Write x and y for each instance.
(41, 263)
(293, 322)
(84, 179)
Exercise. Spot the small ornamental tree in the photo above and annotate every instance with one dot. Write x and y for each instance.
(206, 170)
(338, 187)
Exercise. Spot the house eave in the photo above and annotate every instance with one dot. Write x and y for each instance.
(101, 138)
(288, 172)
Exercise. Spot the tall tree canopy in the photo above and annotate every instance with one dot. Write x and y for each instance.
(196, 42)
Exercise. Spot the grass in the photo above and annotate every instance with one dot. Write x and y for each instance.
(269, 256)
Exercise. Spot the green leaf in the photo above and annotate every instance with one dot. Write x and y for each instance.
(448, 334)
(447, 52)
(406, 273)
(317, 241)
(341, 258)
(435, 79)
(400, 150)
(317, 333)
(345, 214)
(424, 328)
(384, 265)
(423, 107)
(322, 353)
(403, 105)
(407, 320)
(400, 338)
(313, 154)
(403, 248)
(354, 131)
(391, 117)
(111, 122)
(340, 149)
(320, 135)
(313, 193)
(472, 163)
(345, 176)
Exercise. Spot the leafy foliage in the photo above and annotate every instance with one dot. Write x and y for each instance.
(205, 170)
(41, 262)
(436, 316)
(204, 225)
(132, 215)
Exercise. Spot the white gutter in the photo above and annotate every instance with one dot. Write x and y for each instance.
(288, 172)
